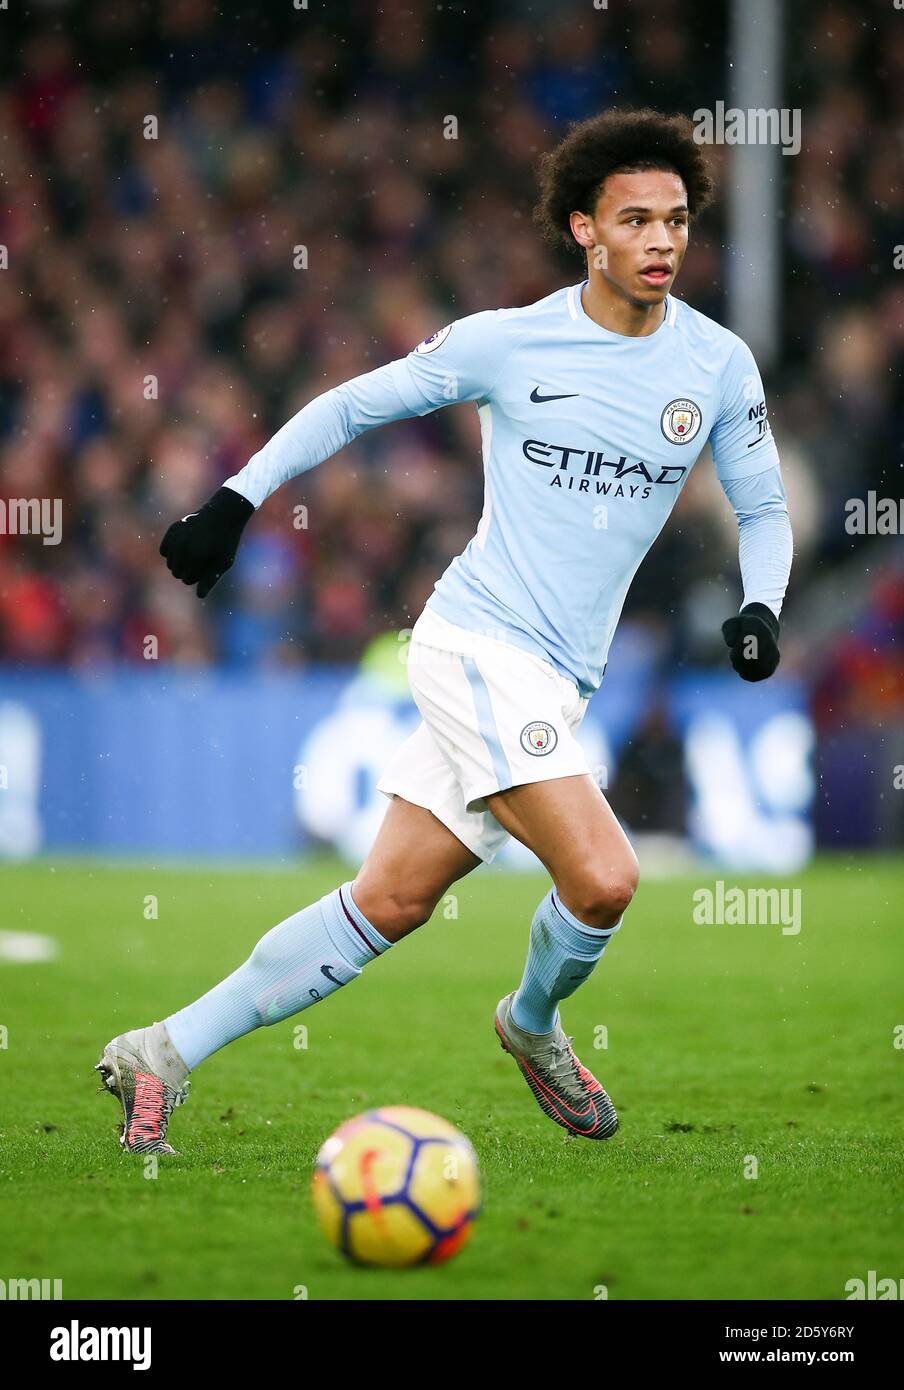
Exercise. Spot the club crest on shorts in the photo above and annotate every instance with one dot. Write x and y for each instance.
(680, 421)
(538, 738)
(434, 341)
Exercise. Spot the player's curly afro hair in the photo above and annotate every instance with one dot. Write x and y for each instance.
(572, 174)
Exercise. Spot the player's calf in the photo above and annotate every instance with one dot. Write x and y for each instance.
(563, 952)
(299, 962)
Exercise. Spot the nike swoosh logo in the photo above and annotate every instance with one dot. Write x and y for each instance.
(327, 971)
(538, 399)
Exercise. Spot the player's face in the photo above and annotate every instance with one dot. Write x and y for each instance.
(640, 223)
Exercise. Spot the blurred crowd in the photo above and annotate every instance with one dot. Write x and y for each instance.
(162, 166)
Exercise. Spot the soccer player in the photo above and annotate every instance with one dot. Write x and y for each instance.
(594, 404)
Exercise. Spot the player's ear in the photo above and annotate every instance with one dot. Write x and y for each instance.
(581, 230)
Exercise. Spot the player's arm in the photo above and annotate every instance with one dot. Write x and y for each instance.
(748, 467)
(459, 363)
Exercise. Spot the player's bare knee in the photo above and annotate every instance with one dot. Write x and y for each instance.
(619, 893)
(602, 895)
(394, 909)
(413, 909)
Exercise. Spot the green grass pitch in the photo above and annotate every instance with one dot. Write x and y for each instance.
(724, 1042)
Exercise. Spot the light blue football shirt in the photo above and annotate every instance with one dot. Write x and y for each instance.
(588, 438)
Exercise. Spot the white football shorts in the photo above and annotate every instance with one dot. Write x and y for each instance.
(493, 716)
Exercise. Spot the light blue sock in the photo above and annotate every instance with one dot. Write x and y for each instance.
(561, 955)
(298, 963)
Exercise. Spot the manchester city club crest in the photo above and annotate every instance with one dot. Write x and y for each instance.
(538, 738)
(680, 421)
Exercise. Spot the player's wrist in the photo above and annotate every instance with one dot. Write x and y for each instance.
(764, 613)
(752, 639)
(230, 507)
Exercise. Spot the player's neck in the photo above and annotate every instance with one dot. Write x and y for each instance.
(612, 311)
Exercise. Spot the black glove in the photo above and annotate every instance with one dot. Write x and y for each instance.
(753, 639)
(201, 547)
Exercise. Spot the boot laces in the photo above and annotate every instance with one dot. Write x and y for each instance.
(562, 1058)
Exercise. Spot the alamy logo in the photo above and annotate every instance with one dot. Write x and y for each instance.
(77, 1343)
(874, 516)
(873, 1288)
(22, 1289)
(758, 125)
(732, 907)
(32, 516)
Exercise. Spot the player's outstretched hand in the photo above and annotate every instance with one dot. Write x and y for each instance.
(201, 547)
(752, 637)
